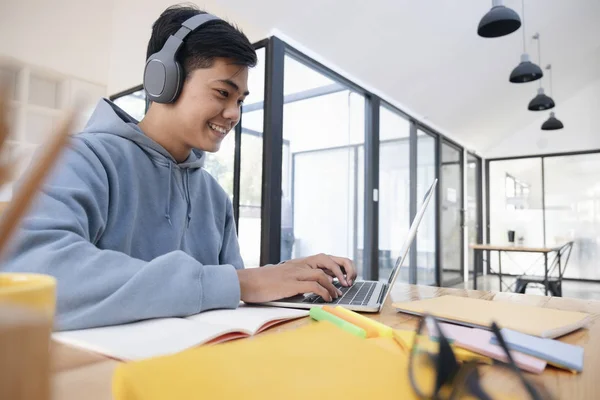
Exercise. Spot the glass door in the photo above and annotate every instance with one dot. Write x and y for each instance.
(451, 214)
(474, 216)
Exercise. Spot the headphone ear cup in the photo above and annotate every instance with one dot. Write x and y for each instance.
(162, 78)
(179, 81)
(155, 76)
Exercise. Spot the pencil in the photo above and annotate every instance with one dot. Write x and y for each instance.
(34, 179)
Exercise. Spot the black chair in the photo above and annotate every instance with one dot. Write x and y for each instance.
(554, 281)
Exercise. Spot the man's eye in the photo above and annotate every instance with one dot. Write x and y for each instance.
(223, 93)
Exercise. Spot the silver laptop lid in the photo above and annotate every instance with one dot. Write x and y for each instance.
(412, 233)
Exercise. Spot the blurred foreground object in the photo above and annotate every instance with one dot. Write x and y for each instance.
(27, 301)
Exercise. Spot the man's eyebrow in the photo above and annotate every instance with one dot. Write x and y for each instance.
(233, 85)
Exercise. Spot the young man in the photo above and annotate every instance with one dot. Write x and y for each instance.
(130, 223)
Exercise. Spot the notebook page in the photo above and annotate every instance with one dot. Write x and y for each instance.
(248, 319)
(140, 340)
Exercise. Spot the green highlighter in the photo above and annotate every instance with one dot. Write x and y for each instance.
(317, 313)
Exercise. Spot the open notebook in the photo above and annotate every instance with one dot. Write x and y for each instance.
(162, 336)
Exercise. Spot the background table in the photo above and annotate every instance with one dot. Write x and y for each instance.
(546, 251)
(79, 374)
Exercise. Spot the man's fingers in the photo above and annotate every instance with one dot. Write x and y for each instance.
(324, 261)
(323, 280)
(326, 281)
(314, 287)
(348, 266)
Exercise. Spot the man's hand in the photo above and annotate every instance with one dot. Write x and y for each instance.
(306, 275)
(332, 266)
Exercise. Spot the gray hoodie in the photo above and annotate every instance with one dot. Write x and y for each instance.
(128, 232)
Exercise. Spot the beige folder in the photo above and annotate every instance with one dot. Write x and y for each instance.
(537, 321)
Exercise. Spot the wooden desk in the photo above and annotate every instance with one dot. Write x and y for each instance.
(520, 249)
(79, 374)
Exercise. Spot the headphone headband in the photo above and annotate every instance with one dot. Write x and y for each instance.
(191, 24)
(163, 75)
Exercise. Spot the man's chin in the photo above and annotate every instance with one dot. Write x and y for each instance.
(211, 147)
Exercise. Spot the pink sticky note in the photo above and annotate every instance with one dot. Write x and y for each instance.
(478, 340)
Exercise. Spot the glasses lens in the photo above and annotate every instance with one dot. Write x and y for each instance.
(498, 381)
(424, 359)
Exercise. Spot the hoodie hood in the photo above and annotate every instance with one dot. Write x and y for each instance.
(108, 118)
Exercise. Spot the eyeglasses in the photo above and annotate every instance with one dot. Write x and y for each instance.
(436, 374)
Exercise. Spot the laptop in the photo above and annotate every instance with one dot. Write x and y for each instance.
(365, 296)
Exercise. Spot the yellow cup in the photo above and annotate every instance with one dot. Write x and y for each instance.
(33, 291)
(27, 308)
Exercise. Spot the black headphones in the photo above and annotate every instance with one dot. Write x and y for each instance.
(163, 74)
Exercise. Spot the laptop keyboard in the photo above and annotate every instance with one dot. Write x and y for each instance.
(357, 294)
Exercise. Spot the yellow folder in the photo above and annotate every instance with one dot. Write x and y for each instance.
(316, 361)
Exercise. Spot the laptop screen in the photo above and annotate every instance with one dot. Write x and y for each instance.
(412, 233)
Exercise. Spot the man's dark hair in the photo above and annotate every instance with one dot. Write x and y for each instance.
(214, 39)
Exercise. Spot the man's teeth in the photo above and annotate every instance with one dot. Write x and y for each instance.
(218, 128)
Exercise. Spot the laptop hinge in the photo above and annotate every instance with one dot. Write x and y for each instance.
(383, 293)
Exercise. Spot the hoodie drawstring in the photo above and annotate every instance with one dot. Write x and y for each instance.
(186, 186)
(189, 201)
(168, 208)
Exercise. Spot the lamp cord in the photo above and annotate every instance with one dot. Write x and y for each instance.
(549, 68)
(523, 16)
(537, 35)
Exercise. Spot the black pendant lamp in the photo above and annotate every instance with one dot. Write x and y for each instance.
(499, 21)
(552, 123)
(526, 71)
(540, 102)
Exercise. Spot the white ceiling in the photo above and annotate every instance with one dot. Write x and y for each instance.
(426, 57)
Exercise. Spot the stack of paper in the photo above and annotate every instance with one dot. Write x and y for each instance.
(559, 354)
(479, 341)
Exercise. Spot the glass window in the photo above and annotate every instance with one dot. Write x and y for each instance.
(133, 104)
(510, 187)
(305, 78)
(573, 210)
(323, 131)
(220, 164)
(451, 184)
(426, 236)
(508, 212)
(326, 121)
(394, 190)
(251, 148)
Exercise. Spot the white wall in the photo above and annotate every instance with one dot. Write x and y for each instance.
(579, 114)
(71, 37)
(103, 42)
(131, 28)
